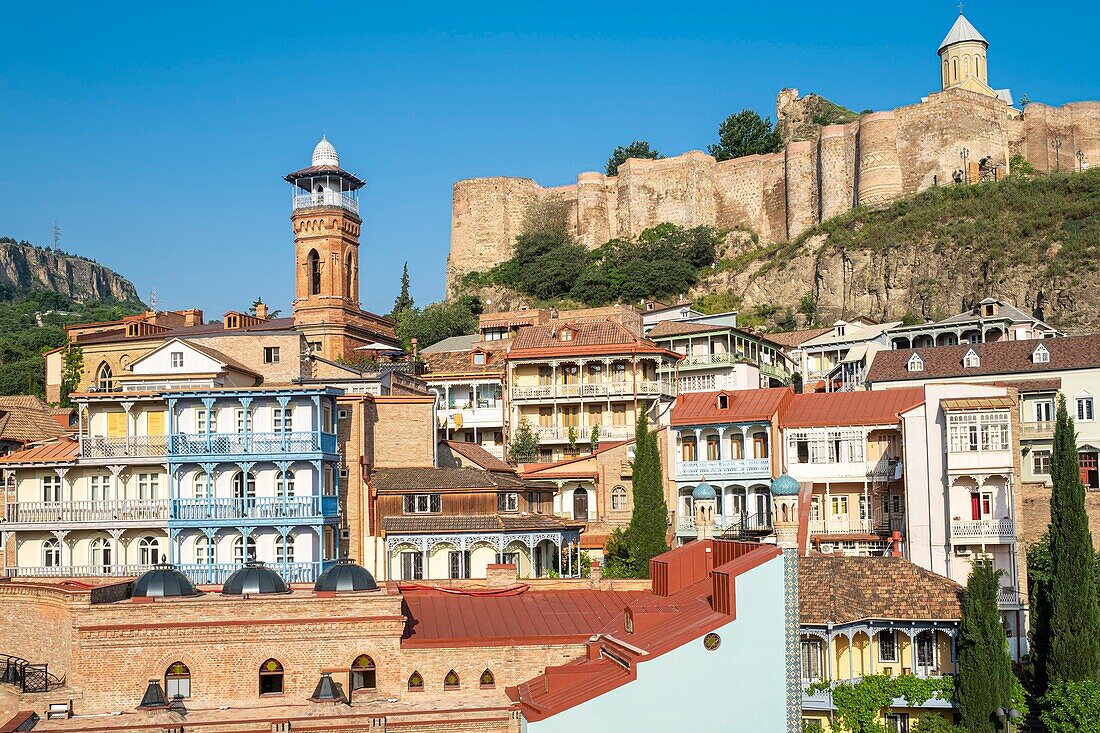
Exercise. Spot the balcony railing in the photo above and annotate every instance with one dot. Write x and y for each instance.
(326, 198)
(721, 521)
(607, 432)
(254, 507)
(132, 446)
(474, 417)
(1037, 430)
(120, 510)
(77, 571)
(776, 372)
(974, 529)
(216, 573)
(1008, 597)
(840, 525)
(200, 444)
(723, 469)
(600, 389)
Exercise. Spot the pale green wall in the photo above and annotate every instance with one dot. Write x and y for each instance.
(739, 687)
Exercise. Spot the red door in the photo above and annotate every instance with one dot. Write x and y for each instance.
(975, 506)
(1088, 464)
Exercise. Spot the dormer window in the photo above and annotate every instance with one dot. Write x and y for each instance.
(916, 364)
(566, 334)
(989, 309)
(478, 358)
(232, 321)
(840, 329)
(972, 360)
(649, 306)
(1040, 355)
(723, 402)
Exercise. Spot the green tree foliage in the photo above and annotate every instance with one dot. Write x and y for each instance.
(807, 306)
(525, 442)
(985, 679)
(636, 149)
(257, 303)
(70, 373)
(1072, 651)
(859, 704)
(1072, 707)
(645, 535)
(936, 723)
(745, 133)
(546, 264)
(403, 301)
(438, 321)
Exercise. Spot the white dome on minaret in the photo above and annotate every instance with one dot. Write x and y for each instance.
(325, 155)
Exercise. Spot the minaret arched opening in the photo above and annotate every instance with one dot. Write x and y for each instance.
(313, 263)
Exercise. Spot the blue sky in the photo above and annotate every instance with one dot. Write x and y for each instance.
(157, 135)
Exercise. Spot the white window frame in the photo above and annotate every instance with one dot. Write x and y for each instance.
(1036, 464)
(1084, 407)
(893, 635)
(1041, 355)
(972, 360)
(915, 364)
(177, 359)
(271, 355)
(51, 488)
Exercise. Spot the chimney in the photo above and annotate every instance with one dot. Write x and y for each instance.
(895, 544)
(595, 575)
(192, 317)
(414, 342)
(261, 310)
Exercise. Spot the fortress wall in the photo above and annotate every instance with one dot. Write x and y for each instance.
(1077, 123)
(836, 169)
(596, 209)
(800, 173)
(879, 176)
(486, 216)
(739, 191)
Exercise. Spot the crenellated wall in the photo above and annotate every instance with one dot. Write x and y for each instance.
(869, 162)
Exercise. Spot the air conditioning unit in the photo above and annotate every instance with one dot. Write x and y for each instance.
(963, 551)
(827, 548)
(984, 556)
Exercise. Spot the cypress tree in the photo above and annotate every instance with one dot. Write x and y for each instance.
(1073, 651)
(985, 670)
(403, 301)
(649, 523)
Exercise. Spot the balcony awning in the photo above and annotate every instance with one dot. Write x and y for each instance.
(856, 353)
(978, 403)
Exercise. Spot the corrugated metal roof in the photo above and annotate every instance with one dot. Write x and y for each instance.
(962, 30)
(839, 409)
(702, 408)
(977, 403)
(63, 450)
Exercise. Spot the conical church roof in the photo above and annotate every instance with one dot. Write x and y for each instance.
(963, 30)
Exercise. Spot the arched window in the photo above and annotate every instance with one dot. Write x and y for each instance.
(966, 65)
(271, 678)
(148, 551)
(244, 488)
(618, 497)
(450, 682)
(955, 68)
(416, 682)
(284, 549)
(177, 681)
(347, 277)
(104, 378)
(239, 551)
(487, 681)
(51, 553)
(200, 485)
(284, 483)
(204, 550)
(314, 264)
(100, 553)
(362, 673)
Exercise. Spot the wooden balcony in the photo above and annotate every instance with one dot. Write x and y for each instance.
(128, 511)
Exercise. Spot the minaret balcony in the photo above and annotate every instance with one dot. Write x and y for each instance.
(327, 199)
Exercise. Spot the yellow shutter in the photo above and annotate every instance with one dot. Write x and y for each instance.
(116, 424)
(155, 422)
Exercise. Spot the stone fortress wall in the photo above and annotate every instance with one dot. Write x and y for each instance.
(878, 158)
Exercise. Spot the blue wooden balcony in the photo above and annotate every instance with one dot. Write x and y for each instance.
(229, 446)
(216, 573)
(253, 510)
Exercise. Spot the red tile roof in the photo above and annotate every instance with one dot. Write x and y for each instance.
(27, 419)
(591, 336)
(998, 357)
(701, 408)
(839, 409)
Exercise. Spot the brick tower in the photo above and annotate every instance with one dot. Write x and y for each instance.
(325, 219)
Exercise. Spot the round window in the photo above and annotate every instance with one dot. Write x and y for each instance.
(712, 641)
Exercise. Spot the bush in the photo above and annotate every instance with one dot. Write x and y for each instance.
(1072, 707)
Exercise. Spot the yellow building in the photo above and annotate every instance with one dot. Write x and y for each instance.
(863, 616)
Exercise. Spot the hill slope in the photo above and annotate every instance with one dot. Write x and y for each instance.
(25, 267)
(1033, 242)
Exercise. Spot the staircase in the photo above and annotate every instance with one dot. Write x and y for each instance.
(28, 677)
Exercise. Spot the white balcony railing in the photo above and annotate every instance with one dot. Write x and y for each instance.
(607, 432)
(326, 198)
(117, 510)
(77, 571)
(476, 417)
(723, 469)
(975, 529)
(1008, 597)
(600, 389)
(840, 525)
(1037, 430)
(132, 446)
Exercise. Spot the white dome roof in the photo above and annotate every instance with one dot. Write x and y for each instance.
(324, 154)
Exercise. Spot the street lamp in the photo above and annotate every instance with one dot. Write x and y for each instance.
(1056, 143)
(1080, 160)
(965, 153)
(1007, 717)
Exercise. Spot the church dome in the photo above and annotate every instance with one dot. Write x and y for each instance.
(962, 31)
(785, 486)
(325, 155)
(163, 581)
(345, 575)
(254, 578)
(704, 491)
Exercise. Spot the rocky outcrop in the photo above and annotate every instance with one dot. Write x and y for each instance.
(24, 267)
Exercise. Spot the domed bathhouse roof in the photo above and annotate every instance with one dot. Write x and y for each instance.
(345, 575)
(254, 578)
(704, 491)
(163, 581)
(785, 486)
(325, 155)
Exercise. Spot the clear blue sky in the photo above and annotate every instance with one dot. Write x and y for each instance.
(157, 136)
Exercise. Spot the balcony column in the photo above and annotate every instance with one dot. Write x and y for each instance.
(283, 531)
(116, 546)
(60, 534)
(698, 444)
(745, 444)
(173, 540)
(131, 429)
(246, 534)
(62, 473)
(723, 449)
(246, 421)
(283, 400)
(211, 488)
(116, 472)
(317, 413)
(280, 484)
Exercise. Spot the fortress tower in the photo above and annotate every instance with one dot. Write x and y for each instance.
(963, 59)
(326, 223)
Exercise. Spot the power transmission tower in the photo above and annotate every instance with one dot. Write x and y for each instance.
(55, 230)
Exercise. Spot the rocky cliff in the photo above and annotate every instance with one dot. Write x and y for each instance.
(24, 267)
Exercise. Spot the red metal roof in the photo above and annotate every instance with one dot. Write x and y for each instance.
(62, 450)
(701, 408)
(829, 409)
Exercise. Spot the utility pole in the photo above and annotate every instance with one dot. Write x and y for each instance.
(55, 231)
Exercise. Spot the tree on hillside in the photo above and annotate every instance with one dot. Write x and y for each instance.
(403, 301)
(636, 149)
(1071, 652)
(984, 679)
(745, 133)
(649, 522)
(438, 321)
(547, 263)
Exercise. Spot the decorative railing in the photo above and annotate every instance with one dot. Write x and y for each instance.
(607, 432)
(1037, 430)
(199, 444)
(598, 389)
(983, 528)
(840, 525)
(120, 510)
(216, 573)
(1008, 597)
(776, 372)
(28, 677)
(721, 521)
(722, 469)
(133, 446)
(254, 507)
(77, 571)
(326, 198)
